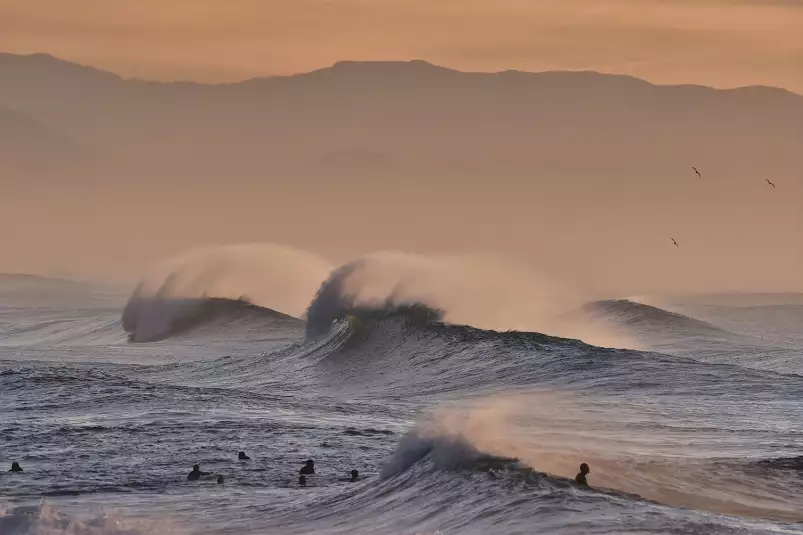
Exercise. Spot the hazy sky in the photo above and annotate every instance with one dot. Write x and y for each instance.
(114, 178)
(721, 43)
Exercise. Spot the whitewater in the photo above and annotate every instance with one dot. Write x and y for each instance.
(465, 399)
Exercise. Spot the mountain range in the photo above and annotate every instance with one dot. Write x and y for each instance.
(430, 155)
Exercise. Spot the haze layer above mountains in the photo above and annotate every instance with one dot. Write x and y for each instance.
(578, 173)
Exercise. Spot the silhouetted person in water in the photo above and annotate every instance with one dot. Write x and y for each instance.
(243, 457)
(220, 480)
(15, 467)
(581, 477)
(302, 481)
(354, 476)
(196, 473)
(308, 468)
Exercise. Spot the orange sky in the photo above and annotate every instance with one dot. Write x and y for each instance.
(722, 43)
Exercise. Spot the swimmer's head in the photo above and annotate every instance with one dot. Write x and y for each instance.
(355, 474)
(196, 468)
(584, 469)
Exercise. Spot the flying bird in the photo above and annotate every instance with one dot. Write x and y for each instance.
(698, 172)
(769, 182)
(676, 243)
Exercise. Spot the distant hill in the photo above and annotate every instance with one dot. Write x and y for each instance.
(550, 167)
(406, 110)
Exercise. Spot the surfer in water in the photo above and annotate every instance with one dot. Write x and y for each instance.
(243, 457)
(15, 467)
(354, 476)
(581, 477)
(308, 468)
(196, 473)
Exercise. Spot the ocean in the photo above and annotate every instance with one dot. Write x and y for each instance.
(107, 400)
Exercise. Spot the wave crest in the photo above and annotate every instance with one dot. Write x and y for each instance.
(481, 291)
(634, 314)
(151, 320)
(444, 452)
(217, 282)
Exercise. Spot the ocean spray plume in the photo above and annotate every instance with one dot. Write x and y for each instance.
(331, 301)
(267, 275)
(553, 432)
(479, 290)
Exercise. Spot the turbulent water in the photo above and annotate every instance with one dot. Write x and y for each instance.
(106, 405)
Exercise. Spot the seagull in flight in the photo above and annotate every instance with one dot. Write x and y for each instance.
(769, 182)
(698, 172)
(676, 243)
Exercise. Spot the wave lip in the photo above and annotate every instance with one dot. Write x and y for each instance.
(445, 452)
(154, 319)
(331, 302)
(340, 295)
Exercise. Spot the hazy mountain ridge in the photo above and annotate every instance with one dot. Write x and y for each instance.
(485, 161)
(28, 80)
(370, 102)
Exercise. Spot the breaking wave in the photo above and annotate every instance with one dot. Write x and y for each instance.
(268, 275)
(485, 292)
(151, 320)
